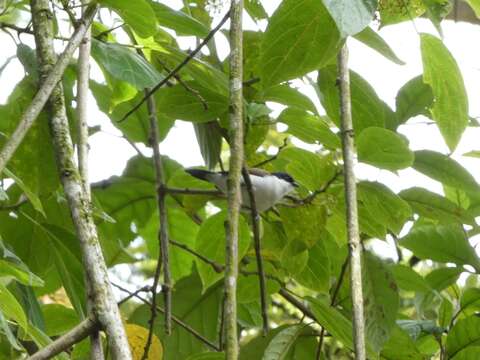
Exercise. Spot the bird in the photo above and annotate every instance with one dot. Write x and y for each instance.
(268, 188)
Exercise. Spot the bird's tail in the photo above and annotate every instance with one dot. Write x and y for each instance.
(200, 174)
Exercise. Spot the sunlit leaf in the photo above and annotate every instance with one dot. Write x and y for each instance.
(351, 16)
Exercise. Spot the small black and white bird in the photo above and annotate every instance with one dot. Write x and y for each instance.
(268, 188)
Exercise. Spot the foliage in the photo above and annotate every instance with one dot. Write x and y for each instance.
(415, 307)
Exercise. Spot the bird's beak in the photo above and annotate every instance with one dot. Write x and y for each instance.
(295, 184)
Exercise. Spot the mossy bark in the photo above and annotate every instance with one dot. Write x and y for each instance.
(105, 307)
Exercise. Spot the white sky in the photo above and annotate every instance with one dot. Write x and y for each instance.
(109, 152)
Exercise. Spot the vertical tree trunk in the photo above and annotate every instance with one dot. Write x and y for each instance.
(354, 244)
(83, 76)
(105, 307)
(233, 181)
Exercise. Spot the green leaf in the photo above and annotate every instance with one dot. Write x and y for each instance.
(309, 128)
(294, 257)
(441, 72)
(7, 332)
(367, 108)
(475, 5)
(138, 14)
(434, 206)
(335, 323)
(465, 333)
(286, 95)
(304, 224)
(178, 21)
(125, 64)
(307, 168)
(36, 203)
(408, 279)
(400, 346)
(207, 356)
(34, 160)
(209, 140)
(316, 274)
(19, 273)
(179, 103)
(211, 244)
(470, 300)
(384, 205)
(443, 243)
(468, 353)
(255, 9)
(373, 40)
(445, 313)
(381, 300)
(11, 308)
(473, 154)
(392, 12)
(384, 149)
(414, 98)
(59, 319)
(440, 279)
(300, 37)
(207, 305)
(351, 16)
(278, 348)
(136, 128)
(445, 170)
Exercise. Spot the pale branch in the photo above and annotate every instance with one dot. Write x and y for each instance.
(64, 342)
(176, 320)
(83, 76)
(178, 67)
(48, 84)
(105, 307)
(163, 257)
(257, 244)
(353, 231)
(233, 180)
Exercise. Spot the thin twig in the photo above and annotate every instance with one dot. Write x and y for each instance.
(163, 257)
(48, 84)
(216, 266)
(257, 245)
(177, 68)
(297, 303)
(354, 243)
(174, 319)
(264, 162)
(146, 288)
(308, 199)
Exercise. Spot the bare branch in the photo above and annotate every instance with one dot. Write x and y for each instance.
(64, 342)
(105, 307)
(48, 84)
(233, 180)
(354, 243)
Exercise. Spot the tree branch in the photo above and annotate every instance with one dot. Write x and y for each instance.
(105, 307)
(233, 180)
(297, 303)
(178, 67)
(83, 76)
(174, 318)
(163, 257)
(48, 84)
(354, 244)
(74, 336)
(257, 244)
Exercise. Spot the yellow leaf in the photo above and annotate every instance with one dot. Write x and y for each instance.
(137, 338)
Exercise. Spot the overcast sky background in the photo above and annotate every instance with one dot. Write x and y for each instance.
(109, 152)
